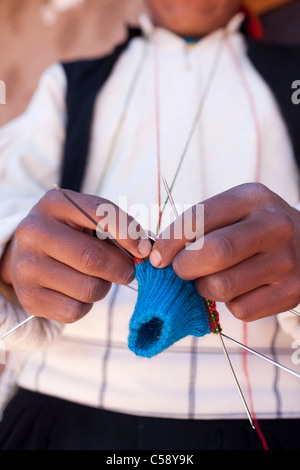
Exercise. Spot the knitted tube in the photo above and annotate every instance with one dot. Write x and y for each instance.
(167, 309)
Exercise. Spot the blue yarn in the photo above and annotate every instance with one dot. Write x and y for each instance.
(167, 309)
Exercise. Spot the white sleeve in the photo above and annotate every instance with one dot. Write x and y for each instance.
(30, 151)
(30, 160)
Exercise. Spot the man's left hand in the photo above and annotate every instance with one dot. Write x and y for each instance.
(250, 258)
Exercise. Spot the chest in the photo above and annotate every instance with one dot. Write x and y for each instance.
(202, 115)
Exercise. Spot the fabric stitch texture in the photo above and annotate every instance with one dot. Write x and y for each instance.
(167, 309)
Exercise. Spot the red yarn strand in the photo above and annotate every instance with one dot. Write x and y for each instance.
(157, 120)
(246, 372)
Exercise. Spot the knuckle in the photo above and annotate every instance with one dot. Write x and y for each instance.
(219, 287)
(239, 310)
(290, 264)
(105, 288)
(280, 218)
(25, 231)
(222, 249)
(93, 290)
(75, 310)
(180, 266)
(89, 291)
(22, 267)
(286, 224)
(92, 259)
(295, 287)
(26, 295)
(164, 247)
(279, 226)
(124, 274)
(261, 193)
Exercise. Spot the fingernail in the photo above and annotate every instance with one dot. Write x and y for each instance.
(144, 248)
(155, 258)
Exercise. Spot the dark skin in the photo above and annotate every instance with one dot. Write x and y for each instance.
(57, 268)
(192, 18)
(251, 255)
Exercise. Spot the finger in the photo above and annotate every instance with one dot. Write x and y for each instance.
(219, 211)
(225, 247)
(86, 254)
(108, 216)
(266, 301)
(55, 276)
(53, 305)
(259, 270)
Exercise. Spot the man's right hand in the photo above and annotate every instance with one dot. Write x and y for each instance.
(57, 268)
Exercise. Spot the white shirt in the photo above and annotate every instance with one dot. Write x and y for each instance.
(239, 125)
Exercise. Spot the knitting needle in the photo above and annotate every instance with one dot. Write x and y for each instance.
(8, 332)
(5, 334)
(219, 335)
(261, 356)
(236, 380)
(295, 312)
(170, 197)
(176, 214)
(92, 220)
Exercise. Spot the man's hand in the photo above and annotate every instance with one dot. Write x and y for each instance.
(57, 268)
(250, 258)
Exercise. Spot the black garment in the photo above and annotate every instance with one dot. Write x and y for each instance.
(34, 421)
(84, 80)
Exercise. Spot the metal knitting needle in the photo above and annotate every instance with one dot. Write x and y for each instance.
(231, 339)
(218, 334)
(114, 241)
(98, 227)
(170, 197)
(236, 380)
(261, 356)
(8, 332)
(295, 312)
(5, 334)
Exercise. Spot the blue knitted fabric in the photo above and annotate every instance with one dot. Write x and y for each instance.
(167, 309)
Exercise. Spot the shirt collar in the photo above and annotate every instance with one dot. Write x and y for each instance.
(167, 36)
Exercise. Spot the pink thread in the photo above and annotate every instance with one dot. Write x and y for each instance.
(157, 112)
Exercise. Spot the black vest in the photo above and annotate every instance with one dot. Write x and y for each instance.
(278, 65)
